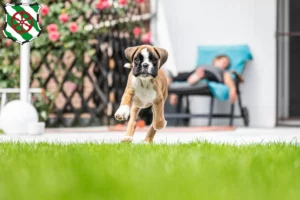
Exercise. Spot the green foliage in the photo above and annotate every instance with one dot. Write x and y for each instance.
(67, 39)
(9, 76)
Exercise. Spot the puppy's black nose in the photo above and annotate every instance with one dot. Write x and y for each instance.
(145, 65)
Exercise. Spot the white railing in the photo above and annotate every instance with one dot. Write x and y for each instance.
(5, 91)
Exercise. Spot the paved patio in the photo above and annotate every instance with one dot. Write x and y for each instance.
(98, 135)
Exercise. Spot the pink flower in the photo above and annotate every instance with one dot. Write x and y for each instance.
(73, 27)
(63, 18)
(54, 36)
(136, 31)
(140, 1)
(52, 28)
(45, 10)
(146, 38)
(8, 42)
(103, 4)
(122, 2)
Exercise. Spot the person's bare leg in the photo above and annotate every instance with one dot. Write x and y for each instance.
(232, 89)
(173, 98)
(196, 76)
(131, 124)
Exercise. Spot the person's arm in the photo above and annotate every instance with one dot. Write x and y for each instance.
(232, 89)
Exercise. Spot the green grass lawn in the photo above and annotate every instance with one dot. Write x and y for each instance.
(126, 171)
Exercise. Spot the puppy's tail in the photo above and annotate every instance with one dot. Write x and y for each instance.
(128, 65)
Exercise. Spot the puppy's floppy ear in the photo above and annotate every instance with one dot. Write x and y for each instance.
(129, 52)
(163, 55)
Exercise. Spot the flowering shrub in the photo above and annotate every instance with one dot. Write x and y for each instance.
(64, 25)
(63, 28)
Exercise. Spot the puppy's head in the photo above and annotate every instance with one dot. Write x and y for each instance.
(146, 60)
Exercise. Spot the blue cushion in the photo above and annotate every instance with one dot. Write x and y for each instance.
(238, 54)
(219, 90)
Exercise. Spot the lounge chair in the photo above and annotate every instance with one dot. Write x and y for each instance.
(239, 55)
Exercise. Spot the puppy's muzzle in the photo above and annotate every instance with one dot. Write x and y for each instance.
(143, 71)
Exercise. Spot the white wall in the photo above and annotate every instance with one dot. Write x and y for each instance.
(214, 22)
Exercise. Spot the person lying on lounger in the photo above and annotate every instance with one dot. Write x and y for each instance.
(216, 72)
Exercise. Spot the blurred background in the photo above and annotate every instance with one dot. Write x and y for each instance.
(78, 59)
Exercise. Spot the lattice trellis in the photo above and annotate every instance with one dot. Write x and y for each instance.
(93, 100)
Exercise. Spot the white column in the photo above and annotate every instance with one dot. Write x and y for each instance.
(24, 67)
(24, 71)
(162, 37)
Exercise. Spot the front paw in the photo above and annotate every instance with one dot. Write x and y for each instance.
(122, 113)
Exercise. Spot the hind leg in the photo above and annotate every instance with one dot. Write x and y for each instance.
(159, 121)
(131, 124)
(150, 135)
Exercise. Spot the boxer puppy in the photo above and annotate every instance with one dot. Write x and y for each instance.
(146, 86)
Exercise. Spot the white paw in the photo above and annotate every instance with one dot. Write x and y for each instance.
(127, 139)
(122, 113)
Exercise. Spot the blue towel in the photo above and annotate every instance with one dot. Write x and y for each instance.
(238, 54)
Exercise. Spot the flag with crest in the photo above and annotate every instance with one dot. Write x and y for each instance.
(22, 22)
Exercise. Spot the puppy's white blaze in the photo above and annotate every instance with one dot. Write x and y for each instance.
(123, 112)
(146, 55)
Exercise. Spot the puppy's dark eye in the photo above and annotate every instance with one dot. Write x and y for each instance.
(137, 60)
(153, 59)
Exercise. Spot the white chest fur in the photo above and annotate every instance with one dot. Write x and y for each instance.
(144, 92)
